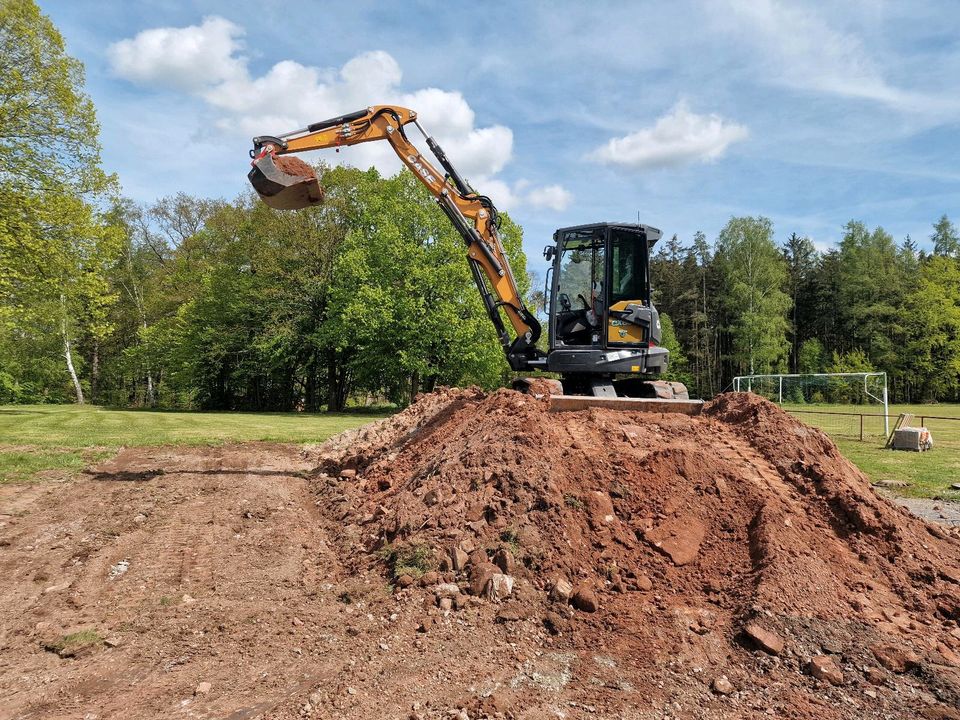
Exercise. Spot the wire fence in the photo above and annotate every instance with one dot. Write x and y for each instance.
(858, 426)
(871, 427)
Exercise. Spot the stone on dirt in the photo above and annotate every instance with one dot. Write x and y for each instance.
(561, 590)
(480, 577)
(824, 668)
(405, 581)
(503, 559)
(203, 688)
(766, 640)
(585, 599)
(348, 473)
(447, 590)
(458, 558)
(722, 686)
(894, 659)
(643, 583)
(498, 587)
(678, 538)
(429, 578)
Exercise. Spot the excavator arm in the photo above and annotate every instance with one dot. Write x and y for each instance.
(474, 216)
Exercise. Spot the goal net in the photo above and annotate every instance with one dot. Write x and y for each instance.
(842, 403)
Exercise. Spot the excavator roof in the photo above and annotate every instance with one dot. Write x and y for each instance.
(653, 234)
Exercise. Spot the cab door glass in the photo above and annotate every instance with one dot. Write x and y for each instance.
(579, 306)
(628, 269)
(629, 289)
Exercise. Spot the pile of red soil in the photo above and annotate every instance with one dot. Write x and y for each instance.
(294, 166)
(734, 555)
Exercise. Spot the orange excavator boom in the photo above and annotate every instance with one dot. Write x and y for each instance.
(288, 185)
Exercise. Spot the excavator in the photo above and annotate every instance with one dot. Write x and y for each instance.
(604, 335)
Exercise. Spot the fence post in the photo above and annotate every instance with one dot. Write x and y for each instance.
(861, 427)
(781, 389)
(886, 408)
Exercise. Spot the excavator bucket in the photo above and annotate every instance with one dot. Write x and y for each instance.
(285, 183)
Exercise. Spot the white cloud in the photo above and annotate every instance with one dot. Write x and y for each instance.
(189, 58)
(521, 193)
(677, 138)
(799, 48)
(204, 60)
(553, 197)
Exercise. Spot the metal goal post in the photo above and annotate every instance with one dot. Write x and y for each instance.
(775, 383)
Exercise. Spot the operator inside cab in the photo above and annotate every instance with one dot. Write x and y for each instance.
(583, 302)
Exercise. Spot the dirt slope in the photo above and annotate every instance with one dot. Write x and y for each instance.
(686, 531)
(732, 565)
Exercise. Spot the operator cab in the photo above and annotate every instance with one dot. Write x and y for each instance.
(601, 292)
(602, 323)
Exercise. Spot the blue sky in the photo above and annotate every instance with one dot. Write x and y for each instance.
(564, 113)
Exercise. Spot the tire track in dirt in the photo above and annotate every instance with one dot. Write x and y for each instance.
(207, 562)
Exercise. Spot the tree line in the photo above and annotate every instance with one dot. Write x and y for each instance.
(747, 305)
(232, 305)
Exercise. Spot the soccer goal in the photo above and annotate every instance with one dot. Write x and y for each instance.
(850, 394)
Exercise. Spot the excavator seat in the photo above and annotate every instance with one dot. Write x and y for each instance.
(285, 183)
(573, 328)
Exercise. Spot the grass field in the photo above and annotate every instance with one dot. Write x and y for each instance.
(64, 438)
(36, 438)
(929, 474)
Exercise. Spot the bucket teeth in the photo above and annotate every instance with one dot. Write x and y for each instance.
(281, 189)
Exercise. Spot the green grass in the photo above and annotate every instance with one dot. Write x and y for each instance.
(42, 438)
(414, 560)
(69, 645)
(928, 474)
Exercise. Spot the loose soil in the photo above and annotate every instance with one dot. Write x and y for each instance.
(482, 556)
(294, 166)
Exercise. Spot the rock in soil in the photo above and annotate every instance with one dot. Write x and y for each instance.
(895, 659)
(561, 590)
(584, 598)
(766, 640)
(823, 667)
(722, 686)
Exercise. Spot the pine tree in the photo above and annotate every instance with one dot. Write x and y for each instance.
(801, 257)
(946, 240)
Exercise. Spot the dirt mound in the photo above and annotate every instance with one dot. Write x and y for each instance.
(735, 562)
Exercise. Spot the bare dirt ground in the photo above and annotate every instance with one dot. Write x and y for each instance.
(946, 512)
(592, 564)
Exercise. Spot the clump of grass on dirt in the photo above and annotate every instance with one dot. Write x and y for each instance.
(572, 501)
(70, 645)
(511, 539)
(414, 560)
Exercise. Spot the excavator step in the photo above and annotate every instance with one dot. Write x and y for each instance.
(561, 403)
